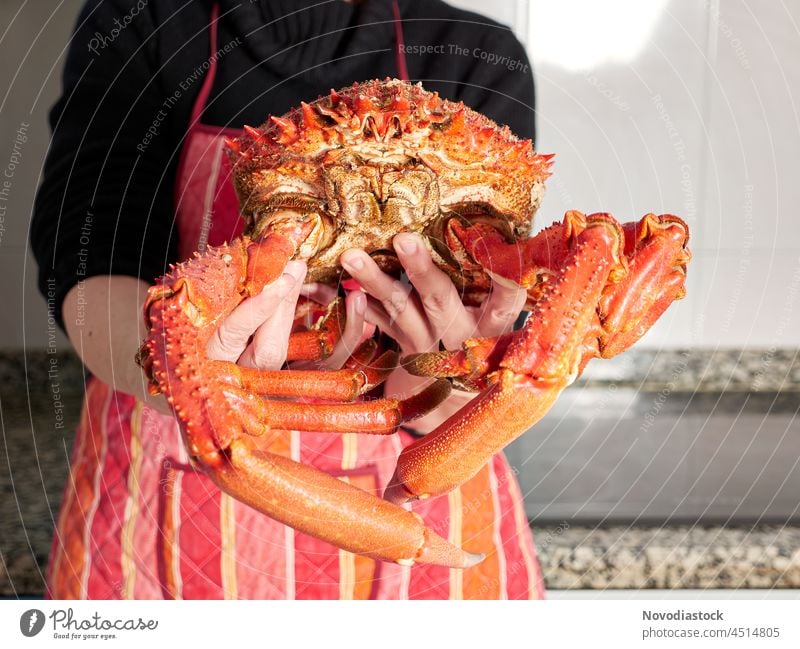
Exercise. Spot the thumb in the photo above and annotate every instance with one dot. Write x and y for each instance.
(232, 336)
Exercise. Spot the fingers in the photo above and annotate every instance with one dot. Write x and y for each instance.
(433, 312)
(448, 318)
(321, 293)
(271, 339)
(356, 306)
(355, 329)
(501, 309)
(267, 317)
(451, 321)
(377, 315)
(391, 307)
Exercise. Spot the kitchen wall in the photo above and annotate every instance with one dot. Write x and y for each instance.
(678, 106)
(691, 108)
(33, 42)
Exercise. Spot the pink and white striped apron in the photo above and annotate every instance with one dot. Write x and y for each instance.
(137, 521)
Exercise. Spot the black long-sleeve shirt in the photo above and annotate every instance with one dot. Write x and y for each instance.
(135, 68)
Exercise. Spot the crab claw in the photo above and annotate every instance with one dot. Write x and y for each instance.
(657, 256)
(602, 287)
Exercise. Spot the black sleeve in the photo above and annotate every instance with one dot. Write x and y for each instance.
(105, 201)
(500, 83)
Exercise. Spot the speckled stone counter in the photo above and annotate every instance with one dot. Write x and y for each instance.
(700, 370)
(40, 398)
(698, 557)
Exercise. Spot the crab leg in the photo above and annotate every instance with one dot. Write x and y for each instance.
(330, 509)
(379, 417)
(470, 366)
(565, 329)
(363, 355)
(318, 504)
(340, 385)
(318, 342)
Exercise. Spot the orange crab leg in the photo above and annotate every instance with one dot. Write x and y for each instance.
(183, 310)
(318, 343)
(379, 417)
(547, 348)
(363, 354)
(651, 277)
(330, 509)
(313, 501)
(565, 329)
(459, 447)
(340, 385)
(478, 358)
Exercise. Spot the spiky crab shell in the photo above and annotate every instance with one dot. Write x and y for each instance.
(381, 157)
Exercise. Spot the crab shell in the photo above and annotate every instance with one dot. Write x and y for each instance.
(384, 157)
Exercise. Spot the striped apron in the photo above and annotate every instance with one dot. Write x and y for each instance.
(138, 521)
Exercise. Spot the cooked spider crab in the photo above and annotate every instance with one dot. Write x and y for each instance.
(353, 169)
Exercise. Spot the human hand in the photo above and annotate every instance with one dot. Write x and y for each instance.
(256, 333)
(428, 312)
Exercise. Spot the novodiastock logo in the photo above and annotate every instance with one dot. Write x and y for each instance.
(31, 622)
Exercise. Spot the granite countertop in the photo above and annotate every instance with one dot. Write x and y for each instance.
(700, 370)
(682, 556)
(572, 556)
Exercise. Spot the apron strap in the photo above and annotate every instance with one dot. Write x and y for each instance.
(208, 82)
(399, 43)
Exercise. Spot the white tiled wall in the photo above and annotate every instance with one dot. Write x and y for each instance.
(683, 106)
(513, 13)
